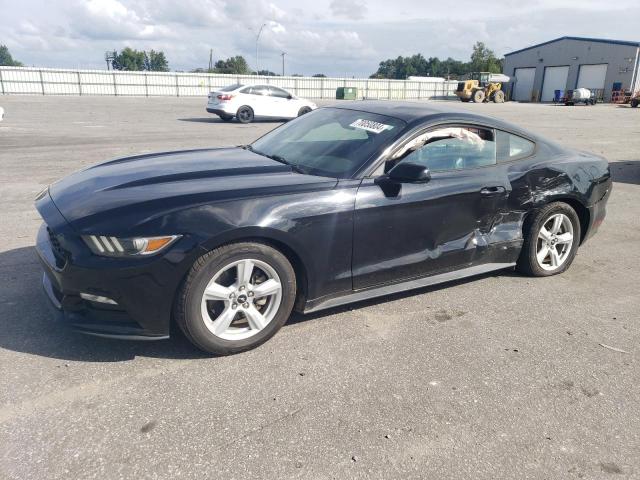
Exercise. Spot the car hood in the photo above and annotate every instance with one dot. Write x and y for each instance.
(146, 186)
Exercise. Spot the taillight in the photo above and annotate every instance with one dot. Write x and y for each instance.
(225, 97)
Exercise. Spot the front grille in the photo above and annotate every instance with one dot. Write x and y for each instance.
(55, 244)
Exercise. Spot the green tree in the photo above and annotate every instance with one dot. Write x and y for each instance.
(237, 65)
(319, 75)
(267, 73)
(484, 60)
(155, 61)
(129, 59)
(6, 60)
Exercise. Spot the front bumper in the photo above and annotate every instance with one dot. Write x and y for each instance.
(143, 294)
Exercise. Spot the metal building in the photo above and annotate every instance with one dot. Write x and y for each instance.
(568, 63)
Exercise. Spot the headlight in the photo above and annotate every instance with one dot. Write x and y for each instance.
(127, 247)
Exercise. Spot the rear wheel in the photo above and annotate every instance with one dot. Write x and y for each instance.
(551, 241)
(478, 96)
(303, 111)
(245, 114)
(498, 97)
(236, 297)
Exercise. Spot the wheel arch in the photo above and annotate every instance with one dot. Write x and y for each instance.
(276, 239)
(581, 210)
(583, 214)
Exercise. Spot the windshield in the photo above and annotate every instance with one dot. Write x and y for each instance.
(331, 142)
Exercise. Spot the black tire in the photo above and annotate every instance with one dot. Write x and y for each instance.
(303, 111)
(188, 314)
(528, 263)
(245, 114)
(498, 97)
(226, 118)
(635, 102)
(465, 100)
(478, 96)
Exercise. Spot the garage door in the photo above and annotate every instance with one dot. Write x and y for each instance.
(555, 78)
(523, 85)
(592, 76)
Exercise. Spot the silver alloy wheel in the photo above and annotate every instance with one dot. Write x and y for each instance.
(555, 240)
(241, 299)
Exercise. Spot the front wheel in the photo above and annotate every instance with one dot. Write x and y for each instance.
(635, 102)
(498, 97)
(303, 111)
(236, 297)
(478, 96)
(551, 241)
(226, 118)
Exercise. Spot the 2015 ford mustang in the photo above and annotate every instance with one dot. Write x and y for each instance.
(342, 204)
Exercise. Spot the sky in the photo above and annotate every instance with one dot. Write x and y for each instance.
(334, 37)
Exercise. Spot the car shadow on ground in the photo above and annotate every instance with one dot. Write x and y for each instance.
(626, 171)
(28, 326)
(215, 119)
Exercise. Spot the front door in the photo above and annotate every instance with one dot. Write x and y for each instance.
(407, 230)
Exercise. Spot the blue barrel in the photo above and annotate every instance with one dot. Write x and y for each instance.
(557, 95)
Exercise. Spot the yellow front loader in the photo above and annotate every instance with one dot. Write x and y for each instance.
(482, 87)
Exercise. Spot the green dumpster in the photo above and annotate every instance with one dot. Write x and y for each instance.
(346, 93)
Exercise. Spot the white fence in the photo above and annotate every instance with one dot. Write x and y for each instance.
(48, 81)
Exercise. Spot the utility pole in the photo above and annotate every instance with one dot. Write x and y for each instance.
(257, 40)
(282, 55)
(210, 60)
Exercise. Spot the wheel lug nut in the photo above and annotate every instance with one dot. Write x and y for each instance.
(246, 305)
(235, 305)
(250, 294)
(233, 295)
(242, 287)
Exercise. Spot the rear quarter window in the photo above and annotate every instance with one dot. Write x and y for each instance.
(512, 147)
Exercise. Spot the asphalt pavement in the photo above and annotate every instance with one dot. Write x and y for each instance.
(497, 377)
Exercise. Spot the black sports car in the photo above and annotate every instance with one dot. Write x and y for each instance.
(345, 203)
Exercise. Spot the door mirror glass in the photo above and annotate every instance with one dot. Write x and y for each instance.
(407, 172)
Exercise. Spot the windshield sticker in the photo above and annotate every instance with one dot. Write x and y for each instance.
(370, 126)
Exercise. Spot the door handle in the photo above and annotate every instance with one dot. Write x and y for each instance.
(489, 191)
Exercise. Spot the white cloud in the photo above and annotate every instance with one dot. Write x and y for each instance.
(333, 37)
(349, 9)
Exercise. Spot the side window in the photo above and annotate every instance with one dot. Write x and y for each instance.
(278, 92)
(256, 90)
(451, 148)
(512, 147)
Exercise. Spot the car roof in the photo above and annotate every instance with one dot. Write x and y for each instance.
(266, 85)
(417, 113)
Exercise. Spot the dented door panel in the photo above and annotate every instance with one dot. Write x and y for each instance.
(428, 228)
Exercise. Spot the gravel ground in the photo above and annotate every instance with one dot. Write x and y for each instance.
(500, 376)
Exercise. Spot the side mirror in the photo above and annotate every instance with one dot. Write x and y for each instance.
(289, 97)
(407, 172)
